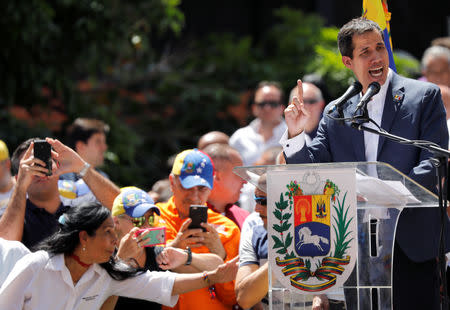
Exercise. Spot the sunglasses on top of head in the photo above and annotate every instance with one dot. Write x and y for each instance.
(272, 104)
(261, 200)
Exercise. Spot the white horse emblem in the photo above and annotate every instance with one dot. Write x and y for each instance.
(305, 236)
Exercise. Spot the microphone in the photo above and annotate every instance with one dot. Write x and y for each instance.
(372, 90)
(354, 89)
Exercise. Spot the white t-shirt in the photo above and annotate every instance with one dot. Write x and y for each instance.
(253, 243)
(10, 253)
(42, 282)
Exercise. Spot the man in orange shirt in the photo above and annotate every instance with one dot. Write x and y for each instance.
(191, 181)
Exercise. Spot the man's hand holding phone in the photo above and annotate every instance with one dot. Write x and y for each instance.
(211, 240)
(68, 159)
(187, 237)
(30, 167)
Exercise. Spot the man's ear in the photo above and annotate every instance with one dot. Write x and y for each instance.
(217, 175)
(79, 146)
(254, 110)
(347, 61)
(172, 182)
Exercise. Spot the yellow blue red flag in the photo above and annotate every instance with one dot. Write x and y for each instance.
(377, 11)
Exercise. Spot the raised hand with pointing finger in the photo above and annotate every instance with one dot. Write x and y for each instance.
(295, 115)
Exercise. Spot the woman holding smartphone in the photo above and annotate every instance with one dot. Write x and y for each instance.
(75, 269)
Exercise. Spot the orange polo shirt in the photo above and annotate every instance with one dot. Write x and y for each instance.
(229, 235)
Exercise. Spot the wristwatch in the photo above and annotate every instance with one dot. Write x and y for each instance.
(189, 258)
(85, 169)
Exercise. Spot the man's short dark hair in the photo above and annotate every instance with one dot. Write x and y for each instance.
(357, 26)
(83, 128)
(17, 155)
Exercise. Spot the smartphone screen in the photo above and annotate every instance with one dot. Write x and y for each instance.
(42, 150)
(152, 236)
(198, 214)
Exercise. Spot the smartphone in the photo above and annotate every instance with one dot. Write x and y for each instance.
(42, 150)
(152, 236)
(198, 214)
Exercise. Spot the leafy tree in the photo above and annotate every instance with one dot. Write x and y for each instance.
(53, 45)
(125, 63)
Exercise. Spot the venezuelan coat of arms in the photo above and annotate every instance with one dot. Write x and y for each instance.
(312, 228)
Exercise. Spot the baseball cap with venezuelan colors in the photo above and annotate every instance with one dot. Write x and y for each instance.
(134, 202)
(194, 168)
(4, 154)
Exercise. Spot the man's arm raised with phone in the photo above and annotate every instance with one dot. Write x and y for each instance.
(12, 221)
(103, 189)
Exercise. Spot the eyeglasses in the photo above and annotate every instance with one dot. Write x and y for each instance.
(140, 221)
(272, 104)
(310, 101)
(261, 200)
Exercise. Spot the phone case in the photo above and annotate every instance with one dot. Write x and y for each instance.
(42, 150)
(152, 236)
(198, 214)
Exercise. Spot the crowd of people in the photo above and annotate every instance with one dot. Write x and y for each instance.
(75, 240)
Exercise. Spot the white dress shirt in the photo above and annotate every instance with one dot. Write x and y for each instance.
(251, 145)
(42, 282)
(375, 108)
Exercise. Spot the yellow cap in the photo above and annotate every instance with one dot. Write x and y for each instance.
(4, 154)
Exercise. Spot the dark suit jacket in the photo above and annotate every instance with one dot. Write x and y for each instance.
(413, 110)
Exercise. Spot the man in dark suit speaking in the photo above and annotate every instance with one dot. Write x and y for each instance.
(404, 107)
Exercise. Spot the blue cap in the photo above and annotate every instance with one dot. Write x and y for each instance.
(134, 202)
(194, 168)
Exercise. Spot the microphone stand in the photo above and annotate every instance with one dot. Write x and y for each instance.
(440, 162)
(340, 111)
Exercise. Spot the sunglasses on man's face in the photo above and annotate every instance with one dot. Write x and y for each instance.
(272, 104)
(140, 221)
(310, 101)
(261, 200)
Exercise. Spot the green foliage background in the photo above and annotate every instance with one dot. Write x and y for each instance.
(156, 89)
